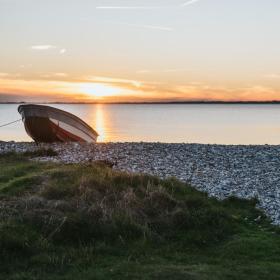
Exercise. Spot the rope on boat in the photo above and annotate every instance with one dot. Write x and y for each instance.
(6, 124)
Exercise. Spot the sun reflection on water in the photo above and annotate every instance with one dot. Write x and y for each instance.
(100, 123)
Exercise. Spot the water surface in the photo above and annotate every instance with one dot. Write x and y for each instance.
(190, 123)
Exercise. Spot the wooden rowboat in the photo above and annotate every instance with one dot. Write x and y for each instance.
(48, 124)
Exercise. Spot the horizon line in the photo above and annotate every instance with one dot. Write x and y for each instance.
(143, 102)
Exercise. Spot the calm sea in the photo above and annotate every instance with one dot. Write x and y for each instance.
(207, 123)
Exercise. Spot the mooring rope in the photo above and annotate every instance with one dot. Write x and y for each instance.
(6, 124)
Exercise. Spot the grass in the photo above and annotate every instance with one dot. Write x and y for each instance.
(91, 222)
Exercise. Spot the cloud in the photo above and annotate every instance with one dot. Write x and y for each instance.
(146, 26)
(60, 74)
(175, 70)
(10, 75)
(54, 85)
(127, 7)
(55, 76)
(144, 71)
(61, 50)
(114, 81)
(43, 47)
(169, 70)
(190, 2)
(25, 66)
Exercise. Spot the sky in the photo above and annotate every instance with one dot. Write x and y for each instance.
(139, 50)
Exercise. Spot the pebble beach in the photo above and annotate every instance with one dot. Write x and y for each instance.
(245, 171)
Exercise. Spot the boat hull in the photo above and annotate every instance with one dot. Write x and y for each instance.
(47, 124)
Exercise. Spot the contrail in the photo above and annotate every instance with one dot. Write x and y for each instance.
(147, 26)
(189, 3)
(126, 7)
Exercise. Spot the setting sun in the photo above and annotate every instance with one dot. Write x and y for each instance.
(98, 90)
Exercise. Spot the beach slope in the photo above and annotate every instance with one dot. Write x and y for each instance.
(88, 221)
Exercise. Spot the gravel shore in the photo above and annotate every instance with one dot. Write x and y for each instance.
(220, 170)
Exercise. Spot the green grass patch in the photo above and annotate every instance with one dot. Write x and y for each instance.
(91, 222)
(41, 153)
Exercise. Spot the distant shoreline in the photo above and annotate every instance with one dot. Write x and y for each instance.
(156, 103)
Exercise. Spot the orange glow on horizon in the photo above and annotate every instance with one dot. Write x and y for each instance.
(122, 90)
